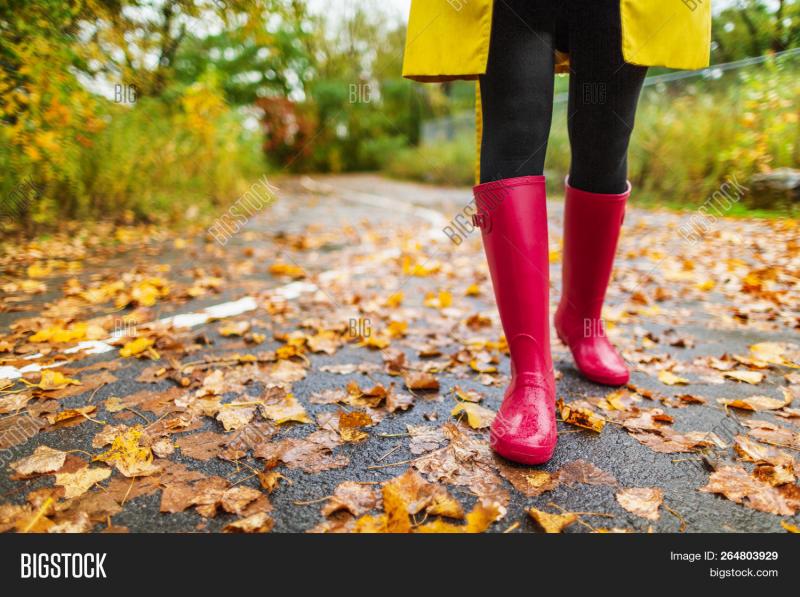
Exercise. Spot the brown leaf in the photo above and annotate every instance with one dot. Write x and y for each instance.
(424, 438)
(529, 482)
(312, 454)
(582, 471)
(43, 460)
(260, 522)
(580, 417)
(351, 423)
(642, 501)
(80, 482)
(420, 380)
(288, 409)
(736, 484)
(355, 498)
(236, 499)
(668, 441)
(757, 403)
(398, 401)
(752, 451)
(201, 446)
(751, 377)
(770, 433)
(235, 415)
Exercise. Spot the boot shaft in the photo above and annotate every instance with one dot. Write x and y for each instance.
(512, 216)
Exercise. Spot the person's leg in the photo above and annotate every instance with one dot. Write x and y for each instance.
(517, 90)
(511, 212)
(604, 91)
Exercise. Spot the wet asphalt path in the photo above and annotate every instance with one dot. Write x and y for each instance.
(345, 202)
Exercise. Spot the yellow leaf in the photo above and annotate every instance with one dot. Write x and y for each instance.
(376, 341)
(771, 352)
(73, 333)
(707, 285)
(552, 523)
(397, 520)
(140, 346)
(394, 300)
(790, 528)
(477, 521)
(472, 290)
(127, 453)
(37, 270)
(478, 417)
(289, 409)
(53, 380)
(751, 377)
(580, 417)
(238, 328)
(670, 379)
(280, 268)
(476, 366)
(77, 483)
(438, 300)
(350, 425)
(397, 329)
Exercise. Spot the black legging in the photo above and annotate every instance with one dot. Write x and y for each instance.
(517, 91)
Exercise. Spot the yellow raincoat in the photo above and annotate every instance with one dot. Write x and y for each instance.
(449, 39)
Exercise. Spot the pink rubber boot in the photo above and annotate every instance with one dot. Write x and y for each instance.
(592, 223)
(512, 216)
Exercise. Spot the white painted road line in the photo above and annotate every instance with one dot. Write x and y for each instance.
(290, 291)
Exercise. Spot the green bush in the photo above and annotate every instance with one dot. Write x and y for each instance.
(451, 163)
(689, 138)
(150, 161)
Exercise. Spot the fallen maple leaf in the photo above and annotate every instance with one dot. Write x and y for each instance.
(128, 455)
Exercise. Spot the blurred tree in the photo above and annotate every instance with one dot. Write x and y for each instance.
(754, 27)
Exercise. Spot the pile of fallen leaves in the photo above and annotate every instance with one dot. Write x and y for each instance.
(395, 326)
